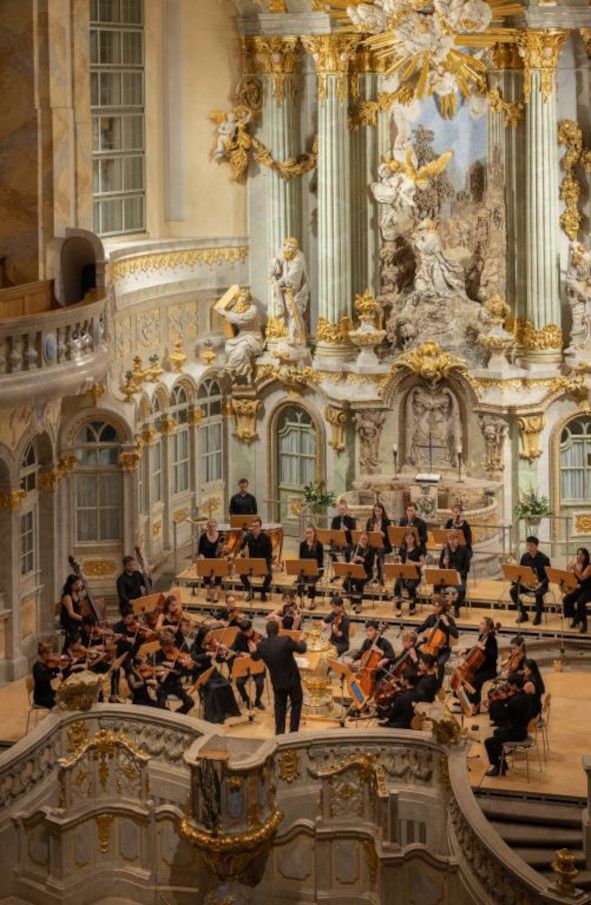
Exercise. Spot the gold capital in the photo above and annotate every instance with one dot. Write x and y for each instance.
(274, 56)
(540, 51)
(337, 418)
(11, 499)
(332, 55)
(530, 428)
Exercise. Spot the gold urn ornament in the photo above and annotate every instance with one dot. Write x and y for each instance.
(177, 356)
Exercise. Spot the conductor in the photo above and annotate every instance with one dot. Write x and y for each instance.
(277, 655)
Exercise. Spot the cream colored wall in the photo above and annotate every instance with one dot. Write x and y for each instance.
(210, 50)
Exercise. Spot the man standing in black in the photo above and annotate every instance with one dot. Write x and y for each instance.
(243, 502)
(513, 715)
(538, 562)
(458, 559)
(412, 520)
(258, 546)
(130, 584)
(277, 655)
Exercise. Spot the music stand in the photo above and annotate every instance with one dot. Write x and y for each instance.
(447, 578)
(303, 568)
(523, 575)
(212, 568)
(350, 570)
(202, 680)
(332, 537)
(396, 534)
(244, 665)
(375, 538)
(405, 571)
(241, 521)
(442, 535)
(147, 603)
(253, 567)
(345, 674)
(149, 648)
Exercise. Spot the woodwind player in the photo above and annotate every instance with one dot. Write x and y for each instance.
(538, 562)
(575, 602)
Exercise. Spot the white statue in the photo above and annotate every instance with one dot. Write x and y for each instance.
(577, 283)
(433, 420)
(290, 293)
(248, 343)
(229, 123)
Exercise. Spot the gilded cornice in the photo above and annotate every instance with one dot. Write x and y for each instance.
(332, 55)
(506, 56)
(540, 50)
(171, 260)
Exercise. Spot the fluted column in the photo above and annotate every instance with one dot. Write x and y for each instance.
(276, 60)
(540, 51)
(332, 54)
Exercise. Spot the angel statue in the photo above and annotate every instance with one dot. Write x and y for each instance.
(241, 313)
(577, 285)
(290, 293)
(233, 141)
(399, 177)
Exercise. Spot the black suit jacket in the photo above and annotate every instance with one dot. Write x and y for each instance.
(421, 527)
(277, 655)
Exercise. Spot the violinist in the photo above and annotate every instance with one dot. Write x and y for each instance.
(246, 642)
(339, 624)
(288, 615)
(410, 552)
(575, 602)
(77, 659)
(512, 714)
(171, 619)
(513, 662)
(363, 555)
(211, 546)
(70, 610)
(258, 546)
(129, 634)
(311, 548)
(234, 615)
(459, 523)
(94, 640)
(373, 640)
(423, 688)
(45, 669)
(412, 520)
(171, 666)
(143, 683)
(130, 584)
(440, 631)
(533, 685)
(487, 644)
(409, 655)
(342, 522)
(217, 694)
(457, 558)
(538, 562)
(379, 521)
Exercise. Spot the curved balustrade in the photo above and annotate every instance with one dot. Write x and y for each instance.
(53, 350)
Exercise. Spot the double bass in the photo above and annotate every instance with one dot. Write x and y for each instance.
(93, 608)
(368, 663)
(145, 575)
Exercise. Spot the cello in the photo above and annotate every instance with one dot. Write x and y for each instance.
(394, 683)
(145, 574)
(368, 663)
(474, 659)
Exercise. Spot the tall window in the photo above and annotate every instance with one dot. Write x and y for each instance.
(179, 410)
(156, 477)
(28, 519)
(98, 496)
(211, 432)
(117, 108)
(575, 461)
(296, 439)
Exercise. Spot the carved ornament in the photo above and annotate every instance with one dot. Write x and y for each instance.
(494, 432)
(99, 568)
(231, 843)
(332, 54)
(188, 259)
(167, 424)
(275, 56)
(582, 523)
(245, 413)
(275, 328)
(337, 418)
(149, 436)
(570, 136)
(129, 460)
(79, 691)
(104, 822)
(511, 110)
(156, 529)
(540, 51)
(49, 480)
(66, 463)
(11, 499)
(431, 363)
(96, 392)
(288, 765)
(548, 337)
(195, 416)
(530, 428)
(180, 515)
(177, 356)
(333, 334)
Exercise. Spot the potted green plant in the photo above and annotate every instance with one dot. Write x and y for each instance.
(532, 507)
(318, 498)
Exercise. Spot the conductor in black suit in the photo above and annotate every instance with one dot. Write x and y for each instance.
(277, 655)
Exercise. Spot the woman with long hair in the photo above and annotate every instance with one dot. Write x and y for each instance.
(575, 603)
(311, 548)
(379, 521)
(533, 684)
(70, 610)
(409, 552)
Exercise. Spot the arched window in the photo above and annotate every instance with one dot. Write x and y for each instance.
(575, 460)
(156, 477)
(179, 410)
(98, 494)
(29, 514)
(211, 431)
(296, 449)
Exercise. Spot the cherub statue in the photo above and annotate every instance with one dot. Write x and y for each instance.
(247, 344)
(233, 140)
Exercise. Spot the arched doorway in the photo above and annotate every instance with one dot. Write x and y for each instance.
(296, 456)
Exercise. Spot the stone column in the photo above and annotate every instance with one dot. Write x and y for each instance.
(277, 60)
(13, 664)
(540, 51)
(332, 54)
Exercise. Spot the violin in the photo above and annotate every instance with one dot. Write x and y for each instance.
(56, 661)
(146, 671)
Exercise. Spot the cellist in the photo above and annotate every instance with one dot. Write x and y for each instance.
(376, 643)
(440, 631)
(487, 644)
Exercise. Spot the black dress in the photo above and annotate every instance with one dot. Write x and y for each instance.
(216, 695)
(208, 550)
(43, 693)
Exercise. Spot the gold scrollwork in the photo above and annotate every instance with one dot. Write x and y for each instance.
(511, 110)
(195, 417)
(288, 765)
(530, 428)
(104, 822)
(547, 337)
(231, 843)
(177, 356)
(180, 514)
(173, 260)
(11, 499)
(582, 523)
(277, 56)
(245, 413)
(333, 334)
(49, 480)
(332, 54)
(570, 136)
(167, 424)
(337, 418)
(156, 529)
(129, 460)
(96, 392)
(66, 464)
(99, 568)
(77, 736)
(431, 363)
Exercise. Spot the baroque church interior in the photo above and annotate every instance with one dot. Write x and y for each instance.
(295, 452)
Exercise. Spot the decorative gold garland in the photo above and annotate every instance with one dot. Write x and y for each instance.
(571, 137)
(512, 110)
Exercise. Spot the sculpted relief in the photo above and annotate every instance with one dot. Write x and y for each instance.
(433, 428)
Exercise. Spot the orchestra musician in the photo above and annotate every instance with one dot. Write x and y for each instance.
(243, 502)
(363, 555)
(412, 520)
(233, 615)
(70, 610)
(217, 694)
(379, 521)
(45, 670)
(142, 683)
(537, 561)
(487, 643)
(246, 642)
(423, 687)
(171, 619)
(258, 546)
(409, 552)
(575, 602)
(77, 659)
(211, 546)
(457, 558)
(459, 523)
(311, 548)
(533, 684)
(342, 522)
(171, 666)
(409, 653)
(439, 631)
(374, 640)
(130, 584)
(339, 624)
(288, 615)
(278, 656)
(513, 662)
(512, 714)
